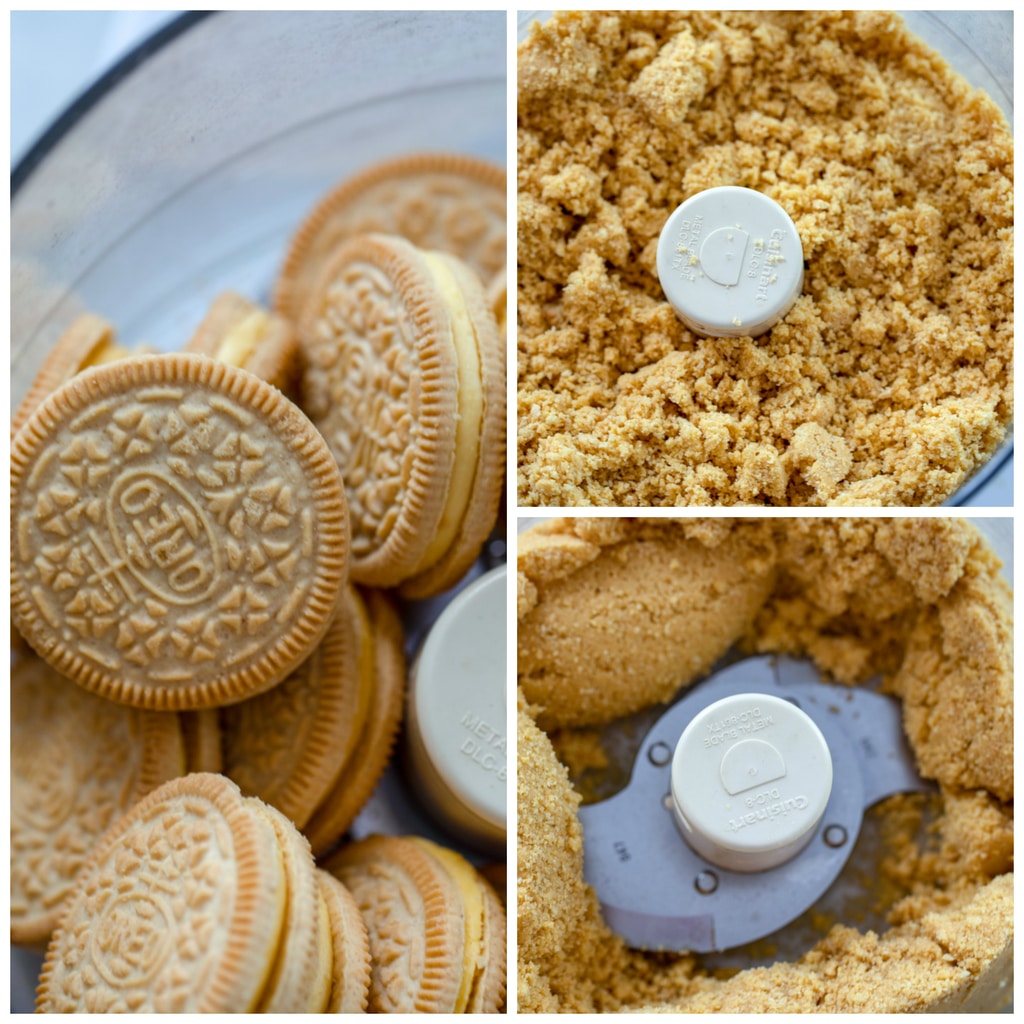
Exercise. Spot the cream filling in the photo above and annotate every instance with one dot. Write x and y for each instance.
(468, 884)
(241, 341)
(469, 417)
(107, 351)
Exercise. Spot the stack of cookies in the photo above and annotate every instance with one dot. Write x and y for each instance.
(404, 362)
(209, 553)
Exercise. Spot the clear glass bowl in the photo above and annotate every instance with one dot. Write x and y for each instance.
(185, 170)
(979, 46)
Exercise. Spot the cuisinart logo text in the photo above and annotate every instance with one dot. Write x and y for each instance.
(767, 812)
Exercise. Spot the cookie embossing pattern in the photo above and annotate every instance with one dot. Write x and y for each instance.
(139, 939)
(437, 213)
(125, 574)
(390, 900)
(173, 538)
(63, 795)
(362, 397)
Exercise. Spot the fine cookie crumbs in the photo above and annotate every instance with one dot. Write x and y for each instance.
(889, 381)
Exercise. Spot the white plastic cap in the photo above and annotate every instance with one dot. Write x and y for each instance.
(751, 776)
(730, 262)
(456, 743)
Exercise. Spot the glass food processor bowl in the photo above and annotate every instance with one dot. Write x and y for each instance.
(185, 170)
(979, 46)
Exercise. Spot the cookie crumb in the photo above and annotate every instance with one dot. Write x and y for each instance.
(899, 179)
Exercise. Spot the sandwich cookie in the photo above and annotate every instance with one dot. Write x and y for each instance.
(89, 341)
(350, 979)
(241, 333)
(179, 532)
(300, 976)
(436, 931)
(78, 763)
(179, 909)
(415, 921)
(288, 745)
(484, 957)
(452, 203)
(405, 378)
(382, 671)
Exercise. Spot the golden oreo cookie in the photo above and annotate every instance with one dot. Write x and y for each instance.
(415, 920)
(179, 909)
(78, 762)
(436, 929)
(288, 745)
(179, 532)
(455, 204)
(241, 333)
(405, 378)
(484, 954)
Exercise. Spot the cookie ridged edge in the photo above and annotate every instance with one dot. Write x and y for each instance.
(350, 988)
(333, 734)
(294, 966)
(289, 298)
(329, 502)
(201, 739)
(83, 336)
(277, 355)
(489, 994)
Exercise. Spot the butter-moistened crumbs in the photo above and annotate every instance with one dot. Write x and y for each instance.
(919, 602)
(889, 381)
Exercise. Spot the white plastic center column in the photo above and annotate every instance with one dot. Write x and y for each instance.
(455, 736)
(751, 776)
(730, 262)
